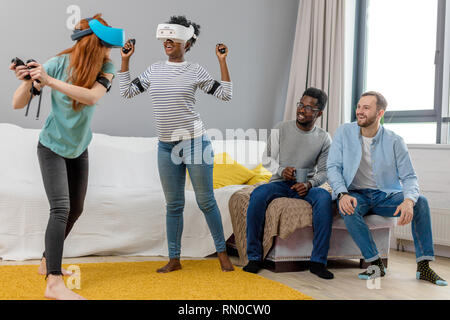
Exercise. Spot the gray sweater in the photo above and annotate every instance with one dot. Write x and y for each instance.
(288, 146)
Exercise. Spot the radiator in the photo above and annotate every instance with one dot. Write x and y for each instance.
(440, 225)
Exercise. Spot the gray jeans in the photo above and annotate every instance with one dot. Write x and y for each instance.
(65, 182)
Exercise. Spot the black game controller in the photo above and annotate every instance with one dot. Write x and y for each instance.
(133, 42)
(222, 50)
(33, 90)
(19, 62)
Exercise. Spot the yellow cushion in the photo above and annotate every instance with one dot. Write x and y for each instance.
(228, 171)
(261, 175)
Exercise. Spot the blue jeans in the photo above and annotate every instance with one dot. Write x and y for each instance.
(318, 198)
(195, 155)
(377, 202)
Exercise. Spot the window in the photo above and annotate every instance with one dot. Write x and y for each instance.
(401, 46)
(400, 53)
(409, 131)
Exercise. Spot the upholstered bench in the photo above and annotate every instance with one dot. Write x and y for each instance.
(288, 234)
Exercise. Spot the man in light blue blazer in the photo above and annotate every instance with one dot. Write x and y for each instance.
(370, 170)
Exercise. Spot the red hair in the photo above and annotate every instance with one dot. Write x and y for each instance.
(87, 57)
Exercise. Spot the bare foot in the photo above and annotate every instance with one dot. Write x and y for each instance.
(174, 264)
(57, 290)
(42, 270)
(225, 262)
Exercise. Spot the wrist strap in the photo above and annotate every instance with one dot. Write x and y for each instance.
(342, 194)
(34, 92)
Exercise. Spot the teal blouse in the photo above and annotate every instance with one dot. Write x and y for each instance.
(67, 132)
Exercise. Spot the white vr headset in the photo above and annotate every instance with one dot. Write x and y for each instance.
(175, 32)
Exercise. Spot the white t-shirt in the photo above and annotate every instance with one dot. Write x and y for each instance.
(364, 176)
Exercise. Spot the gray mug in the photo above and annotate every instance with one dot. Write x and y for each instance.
(301, 175)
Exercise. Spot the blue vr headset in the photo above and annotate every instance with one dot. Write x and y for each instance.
(109, 37)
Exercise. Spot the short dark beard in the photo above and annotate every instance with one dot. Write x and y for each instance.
(367, 124)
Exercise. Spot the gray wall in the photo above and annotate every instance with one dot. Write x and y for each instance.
(259, 33)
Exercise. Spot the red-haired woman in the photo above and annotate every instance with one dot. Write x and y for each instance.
(78, 77)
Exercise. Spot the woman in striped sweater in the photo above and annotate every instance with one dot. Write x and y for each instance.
(183, 143)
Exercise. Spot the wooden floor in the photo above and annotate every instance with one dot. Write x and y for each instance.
(399, 283)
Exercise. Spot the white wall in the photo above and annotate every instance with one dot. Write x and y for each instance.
(259, 33)
(432, 166)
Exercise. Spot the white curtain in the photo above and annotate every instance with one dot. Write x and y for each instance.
(318, 59)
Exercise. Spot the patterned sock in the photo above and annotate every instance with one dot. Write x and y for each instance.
(371, 274)
(424, 272)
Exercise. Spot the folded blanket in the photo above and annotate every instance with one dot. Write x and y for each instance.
(283, 217)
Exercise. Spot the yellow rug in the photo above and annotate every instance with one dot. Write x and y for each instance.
(198, 280)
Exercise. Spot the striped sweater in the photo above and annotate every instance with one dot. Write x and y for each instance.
(172, 88)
